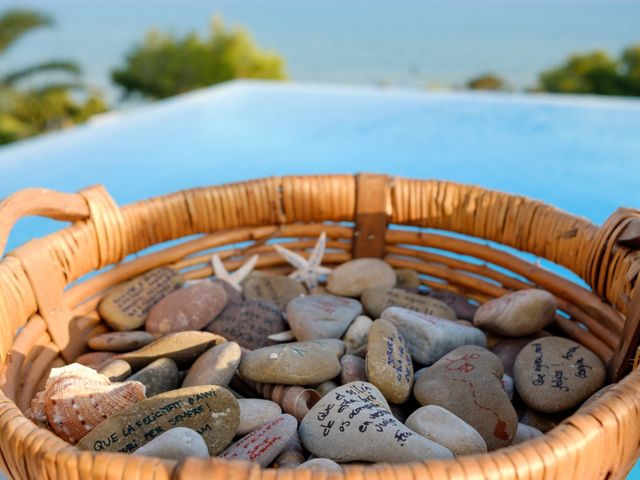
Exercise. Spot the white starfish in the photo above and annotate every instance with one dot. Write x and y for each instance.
(307, 271)
(234, 279)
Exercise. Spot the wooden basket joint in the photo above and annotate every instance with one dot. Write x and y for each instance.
(373, 211)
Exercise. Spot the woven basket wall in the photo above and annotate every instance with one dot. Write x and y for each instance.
(48, 310)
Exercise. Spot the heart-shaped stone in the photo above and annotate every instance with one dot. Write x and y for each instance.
(321, 316)
(429, 338)
(211, 411)
(353, 423)
(467, 382)
(554, 374)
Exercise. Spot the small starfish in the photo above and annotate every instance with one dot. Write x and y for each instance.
(306, 271)
(234, 279)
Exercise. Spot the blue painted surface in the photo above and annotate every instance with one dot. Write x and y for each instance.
(581, 154)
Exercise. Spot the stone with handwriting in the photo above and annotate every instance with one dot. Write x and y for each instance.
(126, 306)
(353, 423)
(429, 338)
(321, 316)
(517, 314)
(467, 382)
(264, 444)
(553, 374)
(355, 276)
(297, 363)
(376, 300)
(211, 411)
(249, 323)
(189, 308)
(278, 289)
(388, 363)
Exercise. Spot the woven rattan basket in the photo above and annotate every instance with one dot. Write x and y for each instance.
(48, 302)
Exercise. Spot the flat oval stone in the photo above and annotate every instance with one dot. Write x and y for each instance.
(121, 341)
(407, 279)
(357, 334)
(255, 412)
(320, 465)
(158, 377)
(354, 369)
(321, 316)
(211, 411)
(264, 444)
(554, 374)
(176, 444)
(464, 309)
(355, 276)
(326, 387)
(388, 363)
(297, 363)
(216, 366)
(517, 314)
(181, 347)
(249, 323)
(428, 338)
(353, 423)
(190, 308)
(126, 306)
(467, 382)
(95, 359)
(115, 370)
(278, 289)
(377, 300)
(443, 427)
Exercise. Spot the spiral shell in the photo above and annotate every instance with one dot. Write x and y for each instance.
(77, 398)
(293, 399)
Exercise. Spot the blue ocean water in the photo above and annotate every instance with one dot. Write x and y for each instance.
(403, 42)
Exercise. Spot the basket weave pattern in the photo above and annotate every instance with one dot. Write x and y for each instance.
(46, 315)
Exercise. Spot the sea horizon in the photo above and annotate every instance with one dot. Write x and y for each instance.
(432, 44)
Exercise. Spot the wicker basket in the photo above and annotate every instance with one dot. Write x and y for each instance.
(48, 310)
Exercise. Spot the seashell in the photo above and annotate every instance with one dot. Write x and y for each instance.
(293, 399)
(285, 336)
(292, 455)
(77, 398)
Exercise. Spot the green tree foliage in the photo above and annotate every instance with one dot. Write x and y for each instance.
(596, 73)
(164, 65)
(42, 106)
(487, 82)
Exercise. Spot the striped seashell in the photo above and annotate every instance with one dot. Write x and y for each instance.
(78, 399)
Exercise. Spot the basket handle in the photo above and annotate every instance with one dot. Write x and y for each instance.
(42, 202)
